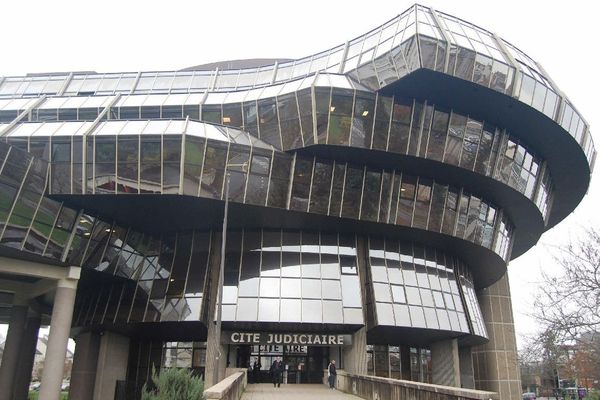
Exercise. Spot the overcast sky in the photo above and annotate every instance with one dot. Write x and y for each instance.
(127, 35)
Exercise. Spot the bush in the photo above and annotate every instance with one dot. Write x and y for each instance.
(174, 384)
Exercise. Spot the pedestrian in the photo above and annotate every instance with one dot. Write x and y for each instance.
(277, 372)
(256, 371)
(331, 374)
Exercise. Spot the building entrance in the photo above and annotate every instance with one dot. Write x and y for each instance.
(302, 364)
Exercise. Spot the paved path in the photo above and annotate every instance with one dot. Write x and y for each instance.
(266, 391)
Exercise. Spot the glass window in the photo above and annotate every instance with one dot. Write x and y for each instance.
(319, 198)
(269, 287)
(291, 310)
(352, 192)
(268, 310)
(312, 311)
(362, 122)
(385, 314)
(332, 312)
(291, 288)
(340, 119)
(289, 121)
(301, 186)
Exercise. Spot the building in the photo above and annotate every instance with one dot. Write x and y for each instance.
(377, 191)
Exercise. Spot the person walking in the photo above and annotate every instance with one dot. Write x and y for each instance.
(256, 371)
(277, 372)
(331, 374)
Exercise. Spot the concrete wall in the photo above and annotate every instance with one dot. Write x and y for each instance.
(230, 388)
(112, 365)
(495, 364)
(445, 363)
(376, 388)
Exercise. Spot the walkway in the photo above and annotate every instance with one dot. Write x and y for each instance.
(266, 391)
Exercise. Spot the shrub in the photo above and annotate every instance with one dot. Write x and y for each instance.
(174, 384)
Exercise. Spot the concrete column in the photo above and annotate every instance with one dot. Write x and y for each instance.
(445, 363)
(495, 363)
(85, 360)
(355, 356)
(60, 327)
(112, 365)
(12, 350)
(26, 356)
(405, 363)
(213, 344)
(467, 378)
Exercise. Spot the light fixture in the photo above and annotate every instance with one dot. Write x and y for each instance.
(332, 108)
(365, 113)
(172, 280)
(86, 234)
(226, 120)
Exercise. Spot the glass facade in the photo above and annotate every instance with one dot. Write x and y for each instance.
(292, 276)
(332, 238)
(421, 287)
(345, 117)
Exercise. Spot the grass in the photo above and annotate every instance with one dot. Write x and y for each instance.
(34, 396)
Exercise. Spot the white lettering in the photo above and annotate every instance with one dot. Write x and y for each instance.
(340, 340)
(287, 339)
(256, 338)
(235, 337)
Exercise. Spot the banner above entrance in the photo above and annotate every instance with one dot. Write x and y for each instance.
(303, 339)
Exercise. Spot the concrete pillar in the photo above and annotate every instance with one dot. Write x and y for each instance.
(467, 378)
(26, 356)
(405, 363)
(60, 327)
(355, 356)
(496, 367)
(213, 344)
(112, 365)
(445, 363)
(12, 350)
(85, 360)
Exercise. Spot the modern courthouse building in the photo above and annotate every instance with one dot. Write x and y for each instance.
(377, 191)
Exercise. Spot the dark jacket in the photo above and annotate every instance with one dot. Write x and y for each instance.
(332, 370)
(277, 368)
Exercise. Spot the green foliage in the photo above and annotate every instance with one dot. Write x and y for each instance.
(593, 395)
(174, 384)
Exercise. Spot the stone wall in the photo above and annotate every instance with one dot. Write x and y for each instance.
(230, 388)
(376, 388)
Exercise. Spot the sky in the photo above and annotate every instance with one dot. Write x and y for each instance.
(132, 35)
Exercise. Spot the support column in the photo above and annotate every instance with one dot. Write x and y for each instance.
(405, 363)
(496, 367)
(445, 363)
(12, 349)
(85, 360)
(467, 379)
(112, 365)
(60, 327)
(213, 343)
(355, 356)
(26, 356)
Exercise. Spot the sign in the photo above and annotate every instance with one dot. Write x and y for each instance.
(276, 349)
(277, 338)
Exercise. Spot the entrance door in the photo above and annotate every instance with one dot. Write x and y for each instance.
(316, 363)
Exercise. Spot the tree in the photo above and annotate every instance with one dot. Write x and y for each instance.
(174, 384)
(569, 304)
(568, 307)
